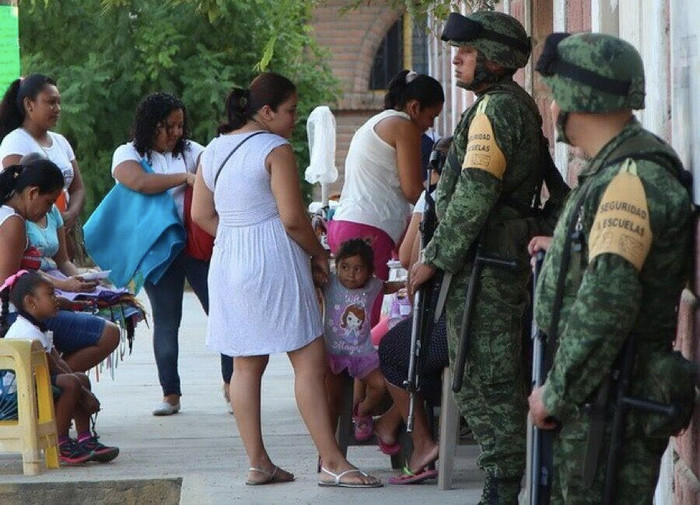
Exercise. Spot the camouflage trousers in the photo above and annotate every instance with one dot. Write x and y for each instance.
(637, 474)
(493, 396)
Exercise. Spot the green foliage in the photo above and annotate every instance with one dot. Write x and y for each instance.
(106, 56)
(439, 9)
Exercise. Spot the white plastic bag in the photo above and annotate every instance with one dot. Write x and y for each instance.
(320, 128)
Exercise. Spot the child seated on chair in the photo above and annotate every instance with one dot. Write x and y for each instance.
(35, 301)
(348, 297)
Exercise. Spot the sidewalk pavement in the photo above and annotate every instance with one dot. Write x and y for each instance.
(201, 444)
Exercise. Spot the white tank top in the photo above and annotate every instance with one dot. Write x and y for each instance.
(372, 191)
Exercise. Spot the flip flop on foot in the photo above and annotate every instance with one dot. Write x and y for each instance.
(338, 482)
(276, 476)
(409, 477)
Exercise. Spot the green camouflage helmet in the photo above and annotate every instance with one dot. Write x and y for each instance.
(500, 37)
(592, 72)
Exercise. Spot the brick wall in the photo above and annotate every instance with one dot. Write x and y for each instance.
(687, 466)
(352, 39)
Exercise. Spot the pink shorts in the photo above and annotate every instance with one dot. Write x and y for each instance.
(358, 366)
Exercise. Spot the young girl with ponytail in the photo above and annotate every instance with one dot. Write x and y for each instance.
(34, 298)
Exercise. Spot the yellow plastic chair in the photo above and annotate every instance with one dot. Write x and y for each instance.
(35, 430)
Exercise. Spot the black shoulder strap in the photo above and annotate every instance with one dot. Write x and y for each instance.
(218, 172)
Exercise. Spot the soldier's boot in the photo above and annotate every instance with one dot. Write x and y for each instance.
(500, 491)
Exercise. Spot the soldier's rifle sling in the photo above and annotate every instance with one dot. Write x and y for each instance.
(480, 261)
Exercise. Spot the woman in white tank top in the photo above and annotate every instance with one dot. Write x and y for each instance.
(383, 168)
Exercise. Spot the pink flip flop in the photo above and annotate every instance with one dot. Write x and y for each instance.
(409, 477)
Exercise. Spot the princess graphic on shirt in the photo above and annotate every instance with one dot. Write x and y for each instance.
(352, 320)
(348, 295)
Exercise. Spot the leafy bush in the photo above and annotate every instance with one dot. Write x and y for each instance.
(107, 56)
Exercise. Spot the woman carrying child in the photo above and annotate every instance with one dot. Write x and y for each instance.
(34, 297)
(349, 296)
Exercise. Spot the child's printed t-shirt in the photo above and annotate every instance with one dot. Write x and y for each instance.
(22, 328)
(347, 324)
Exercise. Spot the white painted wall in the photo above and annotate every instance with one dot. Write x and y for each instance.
(644, 24)
(685, 87)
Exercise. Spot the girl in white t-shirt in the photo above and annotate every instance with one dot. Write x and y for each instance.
(160, 139)
(35, 300)
(29, 110)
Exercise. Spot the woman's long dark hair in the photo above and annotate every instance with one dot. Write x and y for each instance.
(12, 112)
(421, 87)
(152, 112)
(268, 88)
(42, 173)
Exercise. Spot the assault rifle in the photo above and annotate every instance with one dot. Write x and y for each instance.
(423, 307)
(540, 457)
(480, 260)
(618, 383)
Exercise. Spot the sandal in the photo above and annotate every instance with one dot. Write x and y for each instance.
(363, 425)
(336, 482)
(408, 477)
(270, 477)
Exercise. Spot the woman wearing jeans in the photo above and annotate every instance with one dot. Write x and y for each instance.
(159, 137)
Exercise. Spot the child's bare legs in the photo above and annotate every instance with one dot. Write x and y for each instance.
(245, 398)
(425, 450)
(374, 393)
(310, 366)
(65, 404)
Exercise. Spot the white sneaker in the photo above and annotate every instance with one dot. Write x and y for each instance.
(165, 409)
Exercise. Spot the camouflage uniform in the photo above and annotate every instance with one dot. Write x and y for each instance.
(471, 199)
(635, 219)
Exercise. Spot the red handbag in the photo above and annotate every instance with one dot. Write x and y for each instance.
(199, 243)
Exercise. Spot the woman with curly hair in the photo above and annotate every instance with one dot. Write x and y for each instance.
(159, 138)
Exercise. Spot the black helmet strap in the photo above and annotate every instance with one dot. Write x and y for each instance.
(549, 64)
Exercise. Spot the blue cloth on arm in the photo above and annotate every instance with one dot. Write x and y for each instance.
(134, 235)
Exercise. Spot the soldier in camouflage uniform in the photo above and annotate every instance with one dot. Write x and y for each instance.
(492, 173)
(621, 251)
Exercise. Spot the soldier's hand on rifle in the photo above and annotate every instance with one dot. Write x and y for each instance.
(420, 273)
(540, 243)
(538, 412)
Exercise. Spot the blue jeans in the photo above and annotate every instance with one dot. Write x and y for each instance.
(166, 304)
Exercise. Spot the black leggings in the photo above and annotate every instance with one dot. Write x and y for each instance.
(394, 356)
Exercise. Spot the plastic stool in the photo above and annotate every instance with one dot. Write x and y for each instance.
(36, 427)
